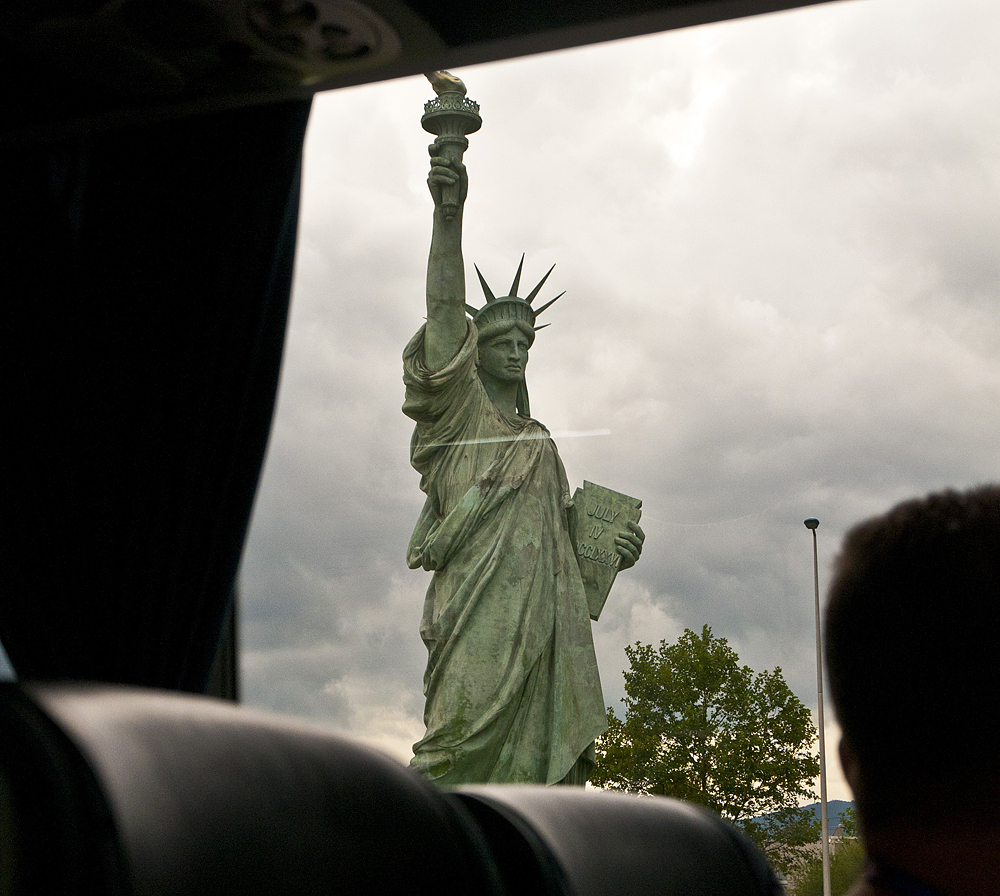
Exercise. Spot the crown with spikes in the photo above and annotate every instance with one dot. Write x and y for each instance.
(499, 314)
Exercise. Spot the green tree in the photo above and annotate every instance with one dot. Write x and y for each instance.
(849, 821)
(846, 865)
(701, 727)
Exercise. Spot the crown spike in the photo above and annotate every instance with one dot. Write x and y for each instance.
(541, 283)
(471, 310)
(517, 278)
(486, 289)
(551, 302)
(541, 327)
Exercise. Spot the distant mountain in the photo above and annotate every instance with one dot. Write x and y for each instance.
(833, 810)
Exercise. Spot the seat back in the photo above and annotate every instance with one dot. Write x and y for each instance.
(593, 843)
(158, 794)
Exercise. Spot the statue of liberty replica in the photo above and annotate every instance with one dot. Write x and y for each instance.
(512, 688)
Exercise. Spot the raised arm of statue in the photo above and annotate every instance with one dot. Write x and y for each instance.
(446, 326)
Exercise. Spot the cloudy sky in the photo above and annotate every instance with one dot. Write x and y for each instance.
(779, 243)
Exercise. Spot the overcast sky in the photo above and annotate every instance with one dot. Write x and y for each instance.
(779, 243)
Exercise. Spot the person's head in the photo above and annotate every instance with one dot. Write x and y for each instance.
(912, 642)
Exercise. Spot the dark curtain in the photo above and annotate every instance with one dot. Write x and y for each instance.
(144, 281)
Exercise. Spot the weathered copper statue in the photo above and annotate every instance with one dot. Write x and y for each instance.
(512, 686)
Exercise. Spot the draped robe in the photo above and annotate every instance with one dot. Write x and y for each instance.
(512, 688)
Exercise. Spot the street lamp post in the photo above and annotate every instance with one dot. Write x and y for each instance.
(812, 525)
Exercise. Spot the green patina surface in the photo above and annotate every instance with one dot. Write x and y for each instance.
(512, 686)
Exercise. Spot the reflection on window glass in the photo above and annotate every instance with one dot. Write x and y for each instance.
(777, 239)
(6, 670)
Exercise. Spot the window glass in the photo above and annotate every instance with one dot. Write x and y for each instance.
(777, 238)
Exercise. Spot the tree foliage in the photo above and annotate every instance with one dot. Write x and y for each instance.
(849, 821)
(701, 727)
(846, 866)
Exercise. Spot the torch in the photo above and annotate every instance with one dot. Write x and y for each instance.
(450, 116)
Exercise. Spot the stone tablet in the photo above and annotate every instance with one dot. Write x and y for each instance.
(600, 515)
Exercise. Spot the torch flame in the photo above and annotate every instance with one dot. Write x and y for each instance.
(445, 82)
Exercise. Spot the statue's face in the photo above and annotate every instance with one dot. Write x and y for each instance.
(504, 357)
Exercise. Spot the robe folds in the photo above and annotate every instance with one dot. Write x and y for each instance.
(512, 688)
